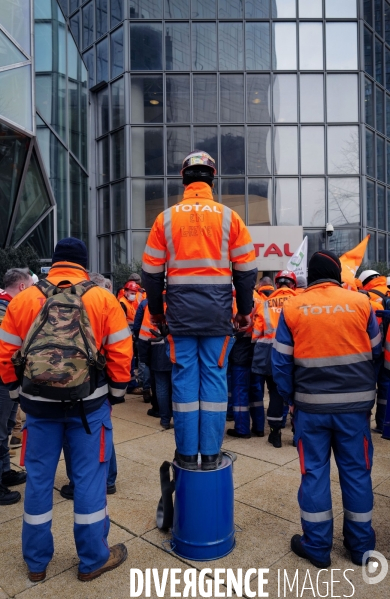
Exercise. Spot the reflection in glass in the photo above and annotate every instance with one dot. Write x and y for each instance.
(119, 247)
(380, 191)
(103, 151)
(368, 51)
(74, 23)
(101, 17)
(388, 163)
(313, 202)
(88, 32)
(285, 98)
(287, 211)
(257, 46)
(204, 46)
(312, 151)
(370, 153)
(343, 150)
(205, 98)
(233, 195)
(117, 52)
(315, 241)
(15, 18)
(43, 47)
(232, 151)
(284, 50)
(371, 248)
(341, 46)
(118, 103)
(146, 9)
(342, 105)
(104, 209)
(380, 113)
(177, 51)
(343, 240)
(105, 254)
(259, 150)
(259, 201)
(386, 7)
(368, 102)
(378, 16)
(343, 201)
(312, 98)
(146, 46)
(368, 11)
(340, 9)
(118, 154)
(73, 5)
(118, 194)
(102, 119)
(232, 98)
(178, 146)
(388, 117)
(41, 238)
(257, 9)
(283, 9)
(230, 9)
(116, 12)
(231, 46)
(310, 46)
(203, 9)
(378, 61)
(147, 99)
(286, 151)
(206, 138)
(310, 9)
(89, 59)
(102, 61)
(381, 247)
(387, 56)
(175, 191)
(178, 98)
(147, 202)
(380, 158)
(50, 99)
(257, 98)
(147, 156)
(9, 53)
(388, 211)
(139, 240)
(177, 9)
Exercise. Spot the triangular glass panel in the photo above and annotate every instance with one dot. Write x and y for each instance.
(34, 200)
(15, 18)
(9, 53)
(41, 238)
(13, 151)
(15, 97)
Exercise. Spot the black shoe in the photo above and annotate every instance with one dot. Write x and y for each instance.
(154, 413)
(147, 396)
(111, 489)
(275, 438)
(233, 433)
(67, 491)
(229, 418)
(377, 430)
(354, 560)
(8, 497)
(11, 478)
(211, 462)
(257, 433)
(294, 443)
(298, 549)
(166, 427)
(188, 462)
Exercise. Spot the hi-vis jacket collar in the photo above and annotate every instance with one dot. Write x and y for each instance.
(67, 269)
(199, 190)
(323, 283)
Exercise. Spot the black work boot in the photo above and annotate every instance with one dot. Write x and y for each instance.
(298, 548)
(11, 478)
(275, 437)
(233, 433)
(188, 462)
(8, 497)
(211, 462)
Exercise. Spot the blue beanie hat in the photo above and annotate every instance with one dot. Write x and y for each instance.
(71, 249)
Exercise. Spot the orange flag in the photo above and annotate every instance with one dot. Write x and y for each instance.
(350, 262)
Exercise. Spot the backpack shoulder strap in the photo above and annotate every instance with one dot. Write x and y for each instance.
(45, 287)
(382, 295)
(83, 287)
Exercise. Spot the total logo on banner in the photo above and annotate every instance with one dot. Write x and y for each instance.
(275, 246)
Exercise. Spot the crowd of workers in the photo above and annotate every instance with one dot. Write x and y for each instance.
(205, 350)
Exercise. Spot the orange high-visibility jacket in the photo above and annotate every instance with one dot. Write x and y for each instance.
(195, 241)
(265, 291)
(109, 326)
(131, 309)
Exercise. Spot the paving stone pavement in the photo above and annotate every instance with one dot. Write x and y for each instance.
(266, 481)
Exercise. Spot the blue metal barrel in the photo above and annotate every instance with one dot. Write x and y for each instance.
(203, 520)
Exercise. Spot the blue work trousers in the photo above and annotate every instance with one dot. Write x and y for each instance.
(247, 396)
(199, 392)
(350, 438)
(144, 375)
(8, 409)
(112, 467)
(381, 398)
(164, 394)
(90, 455)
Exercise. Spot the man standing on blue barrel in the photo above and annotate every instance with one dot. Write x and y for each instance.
(195, 241)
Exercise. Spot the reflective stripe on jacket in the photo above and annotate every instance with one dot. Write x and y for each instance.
(324, 348)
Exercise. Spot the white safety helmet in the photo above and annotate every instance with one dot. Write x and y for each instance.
(367, 275)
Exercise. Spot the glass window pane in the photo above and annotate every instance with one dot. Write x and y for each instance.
(118, 103)
(370, 153)
(312, 151)
(259, 201)
(283, 9)
(146, 9)
(368, 102)
(177, 49)
(378, 61)
(259, 150)
(204, 46)
(102, 120)
(103, 148)
(89, 59)
(118, 154)
(370, 204)
(313, 202)
(380, 113)
(371, 248)
(343, 150)
(74, 23)
(118, 194)
(231, 46)
(380, 190)
(287, 212)
(41, 238)
(203, 9)
(102, 61)
(232, 98)
(258, 98)
(205, 98)
(343, 201)
(104, 209)
(378, 14)
(9, 53)
(178, 98)
(380, 158)
(50, 98)
(387, 56)
(388, 117)
(342, 105)
(101, 17)
(230, 9)
(284, 49)
(88, 32)
(175, 191)
(286, 151)
(146, 46)
(117, 52)
(257, 9)
(368, 11)
(312, 98)
(233, 195)
(177, 9)
(15, 18)
(388, 162)
(285, 98)
(15, 96)
(257, 44)
(310, 9)
(73, 5)
(388, 208)
(43, 47)
(368, 51)
(147, 202)
(206, 139)
(147, 99)
(139, 240)
(147, 157)
(119, 248)
(310, 47)
(387, 22)
(381, 247)
(343, 9)
(232, 151)
(178, 146)
(341, 46)
(343, 240)
(116, 12)
(105, 254)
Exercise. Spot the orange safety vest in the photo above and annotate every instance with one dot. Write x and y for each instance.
(260, 290)
(131, 309)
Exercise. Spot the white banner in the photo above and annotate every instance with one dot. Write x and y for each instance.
(298, 262)
(274, 245)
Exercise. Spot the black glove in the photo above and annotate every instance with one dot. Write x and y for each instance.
(115, 400)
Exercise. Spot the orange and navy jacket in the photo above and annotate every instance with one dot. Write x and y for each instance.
(265, 291)
(109, 326)
(265, 322)
(195, 241)
(322, 358)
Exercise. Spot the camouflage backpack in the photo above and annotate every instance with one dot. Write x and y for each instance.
(59, 359)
